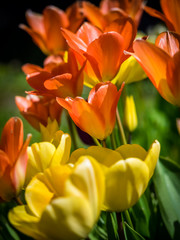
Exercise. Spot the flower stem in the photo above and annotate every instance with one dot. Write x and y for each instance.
(96, 142)
(128, 218)
(120, 126)
(113, 140)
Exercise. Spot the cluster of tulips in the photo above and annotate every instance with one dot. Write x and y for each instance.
(61, 193)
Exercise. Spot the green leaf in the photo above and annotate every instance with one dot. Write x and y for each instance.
(112, 226)
(167, 186)
(135, 235)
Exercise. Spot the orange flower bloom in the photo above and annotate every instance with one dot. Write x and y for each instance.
(13, 159)
(45, 29)
(37, 109)
(97, 116)
(161, 63)
(111, 10)
(103, 50)
(57, 78)
(171, 15)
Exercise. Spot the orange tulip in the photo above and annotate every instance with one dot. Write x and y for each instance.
(97, 116)
(45, 29)
(13, 159)
(103, 50)
(57, 78)
(111, 10)
(171, 15)
(37, 109)
(161, 63)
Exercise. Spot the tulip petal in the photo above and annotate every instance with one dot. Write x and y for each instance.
(152, 59)
(171, 10)
(108, 46)
(4, 162)
(24, 221)
(132, 151)
(169, 42)
(36, 80)
(126, 181)
(152, 157)
(40, 156)
(12, 138)
(31, 68)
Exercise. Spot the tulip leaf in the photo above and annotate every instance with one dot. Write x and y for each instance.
(112, 226)
(167, 185)
(133, 234)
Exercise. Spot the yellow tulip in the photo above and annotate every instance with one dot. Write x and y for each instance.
(64, 202)
(45, 154)
(130, 116)
(48, 132)
(127, 170)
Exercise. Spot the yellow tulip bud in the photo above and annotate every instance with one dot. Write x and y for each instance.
(130, 116)
(64, 202)
(127, 171)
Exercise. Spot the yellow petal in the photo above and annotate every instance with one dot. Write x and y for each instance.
(24, 222)
(132, 151)
(38, 195)
(40, 156)
(47, 133)
(152, 156)
(126, 181)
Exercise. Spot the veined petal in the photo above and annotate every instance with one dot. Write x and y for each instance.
(25, 222)
(108, 46)
(152, 59)
(169, 42)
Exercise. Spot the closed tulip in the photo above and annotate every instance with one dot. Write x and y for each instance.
(13, 159)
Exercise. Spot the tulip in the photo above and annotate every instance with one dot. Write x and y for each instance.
(37, 110)
(46, 154)
(130, 117)
(161, 64)
(127, 170)
(45, 28)
(98, 47)
(62, 203)
(112, 10)
(57, 78)
(97, 116)
(171, 14)
(13, 159)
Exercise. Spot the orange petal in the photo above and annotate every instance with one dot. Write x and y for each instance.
(36, 80)
(54, 19)
(94, 15)
(152, 59)
(74, 41)
(173, 76)
(22, 103)
(169, 42)
(31, 68)
(107, 51)
(12, 138)
(171, 10)
(4, 162)
(157, 14)
(88, 33)
(85, 116)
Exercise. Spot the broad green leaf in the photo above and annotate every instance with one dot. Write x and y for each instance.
(167, 186)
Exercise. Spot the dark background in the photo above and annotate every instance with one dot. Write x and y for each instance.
(16, 44)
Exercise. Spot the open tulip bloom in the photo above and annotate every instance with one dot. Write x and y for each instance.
(88, 175)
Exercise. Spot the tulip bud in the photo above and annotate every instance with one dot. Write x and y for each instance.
(130, 116)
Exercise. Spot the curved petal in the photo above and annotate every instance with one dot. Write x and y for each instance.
(12, 138)
(109, 45)
(152, 59)
(132, 151)
(171, 10)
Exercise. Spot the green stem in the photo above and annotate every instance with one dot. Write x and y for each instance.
(103, 143)
(72, 131)
(96, 142)
(120, 126)
(124, 227)
(128, 218)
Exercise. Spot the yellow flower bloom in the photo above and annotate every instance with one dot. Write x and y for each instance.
(45, 154)
(48, 132)
(130, 117)
(64, 202)
(127, 171)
